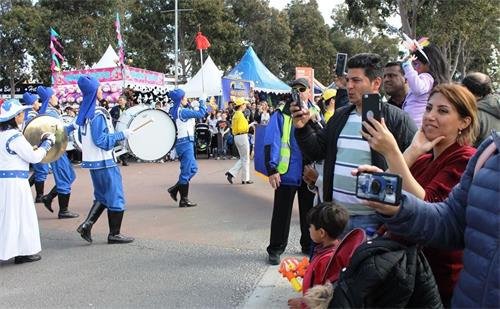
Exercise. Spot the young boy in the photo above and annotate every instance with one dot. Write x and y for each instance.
(326, 223)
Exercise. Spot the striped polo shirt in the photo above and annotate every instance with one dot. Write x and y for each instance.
(352, 151)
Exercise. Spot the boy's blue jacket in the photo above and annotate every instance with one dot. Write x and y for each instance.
(272, 146)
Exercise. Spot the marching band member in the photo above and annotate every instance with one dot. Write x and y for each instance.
(185, 121)
(98, 140)
(64, 174)
(19, 233)
(40, 170)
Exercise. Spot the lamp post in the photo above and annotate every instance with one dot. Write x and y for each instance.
(176, 39)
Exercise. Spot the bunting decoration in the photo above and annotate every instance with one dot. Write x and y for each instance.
(121, 53)
(56, 56)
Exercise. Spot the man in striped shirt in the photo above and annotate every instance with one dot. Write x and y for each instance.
(340, 143)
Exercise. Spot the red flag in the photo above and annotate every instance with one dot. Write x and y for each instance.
(201, 41)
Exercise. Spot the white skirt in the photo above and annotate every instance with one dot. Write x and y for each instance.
(19, 233)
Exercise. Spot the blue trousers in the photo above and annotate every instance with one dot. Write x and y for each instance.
(64, 174)
(108, 187)
(189, 167)
(41, 170)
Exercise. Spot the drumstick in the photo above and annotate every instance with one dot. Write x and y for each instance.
(142, 125)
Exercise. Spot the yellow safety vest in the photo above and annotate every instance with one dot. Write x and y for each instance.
(285, 145)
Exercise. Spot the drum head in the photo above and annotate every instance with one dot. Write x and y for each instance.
(154, 140)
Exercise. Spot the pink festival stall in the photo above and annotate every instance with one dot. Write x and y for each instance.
(112, 79)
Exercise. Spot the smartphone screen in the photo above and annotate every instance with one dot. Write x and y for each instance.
(371, 106)
(380, 187)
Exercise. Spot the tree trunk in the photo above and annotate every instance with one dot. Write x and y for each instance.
(405, 19)
(456, 57)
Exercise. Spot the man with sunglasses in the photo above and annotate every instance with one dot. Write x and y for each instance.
(340, 143)
(284, 164)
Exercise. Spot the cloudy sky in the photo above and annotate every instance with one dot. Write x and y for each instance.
(325, 7)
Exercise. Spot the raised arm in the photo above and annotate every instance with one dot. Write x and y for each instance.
(190, 113)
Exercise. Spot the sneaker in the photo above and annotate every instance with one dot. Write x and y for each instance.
(224, 158)
(249, 182)
(218, 158)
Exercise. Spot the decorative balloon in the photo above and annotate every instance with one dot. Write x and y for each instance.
(106, 88)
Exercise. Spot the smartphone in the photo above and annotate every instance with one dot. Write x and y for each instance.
(380, 187)
(340, 64)
(371, 107)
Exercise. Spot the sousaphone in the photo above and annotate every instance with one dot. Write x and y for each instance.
(39, 125)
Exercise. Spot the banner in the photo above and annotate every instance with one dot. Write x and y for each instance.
(235, 88)
(102, 75)
(131, 74)
(307, 73)
(141, 76)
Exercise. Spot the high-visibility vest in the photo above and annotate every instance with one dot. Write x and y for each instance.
(285, 145)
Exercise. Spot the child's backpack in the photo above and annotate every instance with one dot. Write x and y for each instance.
(385, 273)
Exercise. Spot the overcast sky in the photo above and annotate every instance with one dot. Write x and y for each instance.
(325, 7)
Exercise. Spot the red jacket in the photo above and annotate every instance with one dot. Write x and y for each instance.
(327, 262)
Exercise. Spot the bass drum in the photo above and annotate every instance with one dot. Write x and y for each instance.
(73, 141)
(154, 140)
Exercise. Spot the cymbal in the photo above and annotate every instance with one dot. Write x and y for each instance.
(39, 125)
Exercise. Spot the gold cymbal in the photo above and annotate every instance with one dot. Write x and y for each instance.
(39, 125)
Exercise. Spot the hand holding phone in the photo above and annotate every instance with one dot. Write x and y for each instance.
(380, 187)
(371, 107)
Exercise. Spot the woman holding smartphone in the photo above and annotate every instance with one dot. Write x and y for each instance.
(434, 162)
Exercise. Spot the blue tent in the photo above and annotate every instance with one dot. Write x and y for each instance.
(251, 68)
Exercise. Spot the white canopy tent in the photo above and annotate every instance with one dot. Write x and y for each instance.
(108, 60)
(209, 84)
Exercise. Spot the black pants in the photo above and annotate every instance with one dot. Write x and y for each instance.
(282, 214)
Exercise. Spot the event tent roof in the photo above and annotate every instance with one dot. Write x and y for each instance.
(206, 82)
(251, 68)
(108, 60)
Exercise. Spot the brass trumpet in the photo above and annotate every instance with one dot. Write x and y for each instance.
(39, 125)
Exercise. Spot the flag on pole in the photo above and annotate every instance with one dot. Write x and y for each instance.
(56, 57)
(201, 41)
(121, 53)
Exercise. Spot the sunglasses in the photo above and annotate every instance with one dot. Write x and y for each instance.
(301, 89)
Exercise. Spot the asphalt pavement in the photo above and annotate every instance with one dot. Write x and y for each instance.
(209, 256)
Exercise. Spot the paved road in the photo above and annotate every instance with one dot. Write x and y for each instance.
(210, 256)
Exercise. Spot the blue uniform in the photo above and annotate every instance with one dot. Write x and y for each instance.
(64, 174)
(184, 118)
(98, 157)
(41, 170)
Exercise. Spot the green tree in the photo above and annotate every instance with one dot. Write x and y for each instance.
(309, 41)
(266, 30)
(86, 28)
(464, 30)
(352, 38)
(15, 27)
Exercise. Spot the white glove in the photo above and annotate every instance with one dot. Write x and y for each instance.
(128, 133)
(48, 136)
